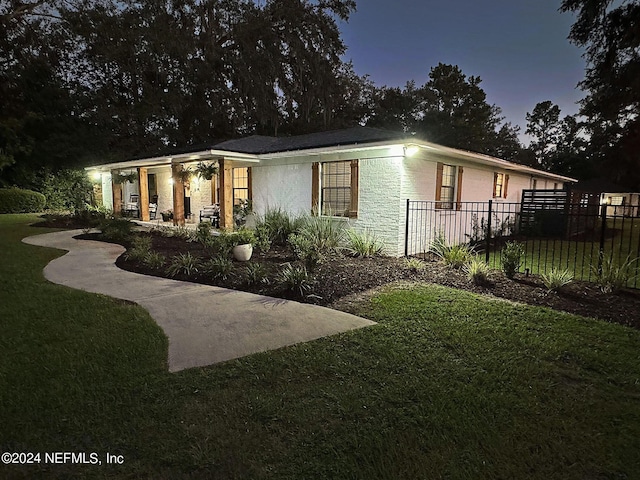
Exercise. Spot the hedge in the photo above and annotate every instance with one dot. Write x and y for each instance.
(17, 200)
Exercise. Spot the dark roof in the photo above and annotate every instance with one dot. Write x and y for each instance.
(257, 144)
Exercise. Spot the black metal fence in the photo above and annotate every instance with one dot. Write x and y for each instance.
(579, 237)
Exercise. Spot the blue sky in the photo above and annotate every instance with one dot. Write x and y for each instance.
(519, 48)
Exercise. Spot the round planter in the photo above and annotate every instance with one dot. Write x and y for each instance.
(242, 253)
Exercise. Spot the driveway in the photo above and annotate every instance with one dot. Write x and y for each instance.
(205, 324)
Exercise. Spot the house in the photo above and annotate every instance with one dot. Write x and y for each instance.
(619, 201)
(362, 175)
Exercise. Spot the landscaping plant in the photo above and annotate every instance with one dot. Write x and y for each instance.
(263, 242)
(511, 258)
(453, 255)
(296, 279)
(477, 270)
(363, 244)
(325, 233)
(219, 267)
(256, 274)
(154, 260)
(415, 264)
(118, 230)
(140, 248)
(612, 276)
(278, 224)
(305, 250)
(555, 279)
(183, 264)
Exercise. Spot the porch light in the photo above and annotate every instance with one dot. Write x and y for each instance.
(170, 180)
(96, 176)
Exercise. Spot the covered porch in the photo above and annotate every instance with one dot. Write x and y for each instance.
(180, 186)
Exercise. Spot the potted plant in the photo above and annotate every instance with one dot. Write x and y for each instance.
(167, 215)
(242, 241)
(206, 170)
(120, 178)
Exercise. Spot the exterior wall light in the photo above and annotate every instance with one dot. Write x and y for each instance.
(411, 150)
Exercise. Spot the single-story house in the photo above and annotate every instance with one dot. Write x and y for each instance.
(363, 175)
(619, 201)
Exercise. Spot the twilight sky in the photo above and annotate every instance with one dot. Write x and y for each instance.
(519, 48)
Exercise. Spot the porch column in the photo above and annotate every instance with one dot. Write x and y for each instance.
(116, 188)
(143, 184)
(178, 195)
(214, 188)
(226, 193)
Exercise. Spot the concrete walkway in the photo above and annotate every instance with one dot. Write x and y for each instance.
(205, 324)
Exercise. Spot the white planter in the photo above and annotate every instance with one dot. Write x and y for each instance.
(242, 253)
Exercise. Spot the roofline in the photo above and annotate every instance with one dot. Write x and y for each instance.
(489, 160)
(212, 154)
(179, 158)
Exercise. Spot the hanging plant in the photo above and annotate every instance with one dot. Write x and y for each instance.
(184, 175)
(207, 170)
(120, 178)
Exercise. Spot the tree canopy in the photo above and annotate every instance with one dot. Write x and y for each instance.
(450, 109)
(608, 31)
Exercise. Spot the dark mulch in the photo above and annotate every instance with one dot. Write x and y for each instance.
(341, 282)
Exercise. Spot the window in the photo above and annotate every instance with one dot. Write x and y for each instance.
(445, 186)
(336, 188)
(240, 185)
(616, 201)
(498, 185)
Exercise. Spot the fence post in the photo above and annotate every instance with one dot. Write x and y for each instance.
(603, 231)
(488, 236)
(406, 232)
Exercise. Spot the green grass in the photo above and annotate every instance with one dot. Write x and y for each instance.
(447, 385)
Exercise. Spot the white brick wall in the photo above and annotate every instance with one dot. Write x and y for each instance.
(380, 201)
(284, 186)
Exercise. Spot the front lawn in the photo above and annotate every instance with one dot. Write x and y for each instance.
(449, 384)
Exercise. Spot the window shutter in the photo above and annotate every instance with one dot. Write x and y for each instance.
(459, 189)
(439, 169)
(249, 185)
(504, 187)
(315, 188)
(353, 209)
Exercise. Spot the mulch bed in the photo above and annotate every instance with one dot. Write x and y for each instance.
(341, 282)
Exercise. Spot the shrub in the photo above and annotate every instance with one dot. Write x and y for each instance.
(556, 279)
(218, 267)
(204, 234)
(325, 233)
(140, 248)
(278, 224)
(612, 276)
(453, 255)
(363, 244)
(183, 263)
(91, 216)
(295, 279)
(414, 264)
(511, 258)
(305, 250)
(256, 274)
(263, 242)
(117, 230)
(154, 260)
(65, 189)
(17, 200)
(477, 271)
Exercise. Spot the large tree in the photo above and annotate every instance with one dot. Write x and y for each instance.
(608, 31)
(450, 109)
(558, 144)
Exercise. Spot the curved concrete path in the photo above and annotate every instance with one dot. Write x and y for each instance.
(205, 324)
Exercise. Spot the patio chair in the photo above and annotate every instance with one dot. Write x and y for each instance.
(211, 213)
(131, 208)
(153, 210)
